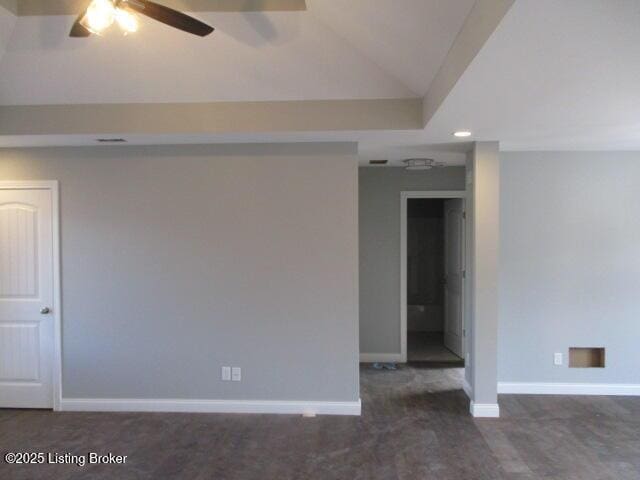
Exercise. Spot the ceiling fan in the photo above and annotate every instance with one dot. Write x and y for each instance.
(101, 14)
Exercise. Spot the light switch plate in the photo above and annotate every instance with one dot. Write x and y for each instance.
(557, 359)
(236, 374)
(226, 374)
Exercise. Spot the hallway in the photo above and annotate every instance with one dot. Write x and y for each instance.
(429, 347)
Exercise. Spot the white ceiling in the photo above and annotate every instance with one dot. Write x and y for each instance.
(408, 38)
(394, 146)
(556, 74)
(338, 49)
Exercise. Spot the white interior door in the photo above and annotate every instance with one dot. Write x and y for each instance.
(454, 266)
(26, 298)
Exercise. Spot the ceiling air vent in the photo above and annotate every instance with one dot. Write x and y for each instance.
(111, 140)
(378, 162)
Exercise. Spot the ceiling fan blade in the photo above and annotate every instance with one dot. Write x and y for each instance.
(78, 30)
(170, 17)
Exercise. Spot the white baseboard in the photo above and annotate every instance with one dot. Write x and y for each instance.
(381, 358)
(467, 388)
(484, 410)
(209, 406)
(569, 388)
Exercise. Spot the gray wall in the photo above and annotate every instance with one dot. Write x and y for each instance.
(570, 264)
(178, 260)
(380, 248)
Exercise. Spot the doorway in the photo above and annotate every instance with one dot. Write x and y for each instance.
(433, 271)
(29, 295)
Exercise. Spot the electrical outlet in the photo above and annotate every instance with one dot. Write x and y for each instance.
(557, 359)
(236, 374)
(226, 374)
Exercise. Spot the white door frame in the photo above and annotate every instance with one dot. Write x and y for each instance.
(404, 197)
(52, 186)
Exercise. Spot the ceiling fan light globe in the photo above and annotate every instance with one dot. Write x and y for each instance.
(127, 21)
(100, 16)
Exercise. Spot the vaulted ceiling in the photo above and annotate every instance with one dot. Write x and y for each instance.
(337, 49)
(541, 74)
(7, 22)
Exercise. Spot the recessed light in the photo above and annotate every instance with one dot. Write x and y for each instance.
(462, 133)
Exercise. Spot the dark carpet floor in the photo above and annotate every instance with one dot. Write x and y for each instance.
(414, 426)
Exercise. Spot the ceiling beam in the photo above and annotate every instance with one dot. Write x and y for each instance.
(212, 118)
(484, 18)
(73, 7)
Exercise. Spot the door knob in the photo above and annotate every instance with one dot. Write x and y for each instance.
(45, 311)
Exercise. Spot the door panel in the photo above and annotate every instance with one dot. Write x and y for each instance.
(26, 287)
(18, 250)
(454, 266)
(19, 352)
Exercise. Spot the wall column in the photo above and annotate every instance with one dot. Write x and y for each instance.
(484, 209)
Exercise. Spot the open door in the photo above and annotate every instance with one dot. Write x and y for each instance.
(454, 280)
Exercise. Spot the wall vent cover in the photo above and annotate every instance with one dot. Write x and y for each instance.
(378, 162)
(111, 140)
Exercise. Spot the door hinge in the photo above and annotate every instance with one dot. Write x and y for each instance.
(464, 332)
(464, 215)
(464, 274)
